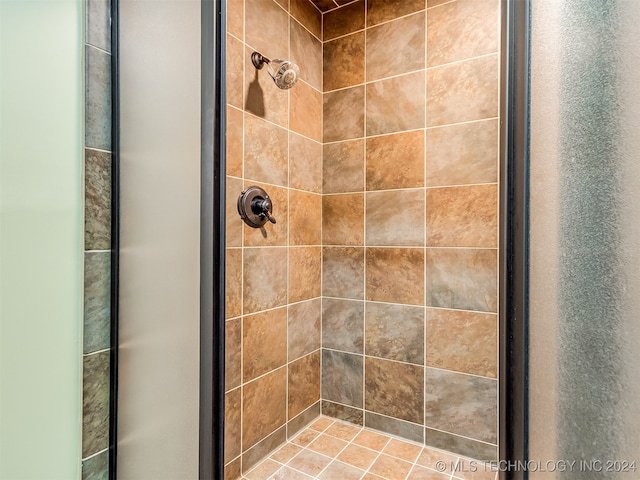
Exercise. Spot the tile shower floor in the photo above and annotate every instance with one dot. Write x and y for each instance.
(330, 449)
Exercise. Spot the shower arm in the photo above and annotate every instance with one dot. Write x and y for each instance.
(259, 60)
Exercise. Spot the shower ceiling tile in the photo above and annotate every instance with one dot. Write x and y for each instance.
(343, 167)
(379, 11)
(342, 378)
(305, 216)
(234, 141)
(395, 218)
(271, 234)
(303, 331)
(343, 63)
(462, 216)
(305, 164)
(461, 404)
(396, 47)
(463, 154)
(232, 425)
(308, 15)
(343, 219)
(264, 342)
(264, 288)
(464, 279)
(266, 27)
(396, 104)
(462, 29)
(343, 114)
(344, 20)
(395, 332)
(265, 151)
(462, 92)
(395, 275)
(394, 389)
(306, 52)
(233, 282)
(304, 383)
(343, 325)
(306, 111)
(264, 404)
(466, 342)
(343, 272)
(305, 266)
(395, 161)
(233, 353)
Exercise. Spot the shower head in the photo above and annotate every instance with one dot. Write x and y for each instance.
(284, 73)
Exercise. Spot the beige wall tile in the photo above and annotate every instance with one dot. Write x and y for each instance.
(343, 21)
(235, 139)
(396, 104)
(343, 114)
(235, 72)
(307, 15)
(264, 278)
(265, 151)
(396, 47)
(303, 334)
(466, 342)
(233, 282)
(395, 161)
(305, 268)
(395, 332)
(384, 10)
(306, 111)
(395, 218)
(232, 425)
(463, 154)
(264, 342)
(235, 18)
(233, 353)
(305, 217)
(343, 167)
(304, 383)
(343, 272)
(306, 52)
(463, 91)
(343, 64)
(234, 224)
(462, 29)
(464, 216)
(305, 163)
(262, 97)
(264, 406)
(266, 26)
(270, 234)
(343, 219)
(395, 275)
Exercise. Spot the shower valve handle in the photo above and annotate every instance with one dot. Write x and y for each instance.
(263, 206)
(255, 207)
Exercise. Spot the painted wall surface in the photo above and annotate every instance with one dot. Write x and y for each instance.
(40, 238)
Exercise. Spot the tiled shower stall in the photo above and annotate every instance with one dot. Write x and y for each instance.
(373, 299)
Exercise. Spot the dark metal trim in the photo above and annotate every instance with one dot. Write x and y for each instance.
(212, 241)
(514, 235)
(115, 239)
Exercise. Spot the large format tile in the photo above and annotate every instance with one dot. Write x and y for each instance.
(232, 425)
(462, 29)
(462, 341)
(262, 97)
(303, 334)
(265, 151)
(343, 62)
(97, 301)
(395, 104)
(233, 223)
(463, 279)
(264, 405)
(305, 164)
(342, 412)
(463, 216)
(97, 99)
(235, 72)
(396, 47)
(97, 206)
(264, 287)
(262, 449)
(395, 161)
(395, 218)
(95, 403)
(394, 389)
(379, 11)
(343, 167)
(265, 23)
(305, 116)
(233, 282)
(96, 467)
(343, 114)
(463, 154)
(264, 342)
(304, 383)
(399, 428)
(235, 18)
(343, 272)
(305, 278)
(233, 353)
(305, 218)
(343, 219)
(269, 235)
(461, 445)
(235, 141)
(343, 21)
(395, 332)
(306, 52)
(464, 91)
(99, 24)
(395, 275)
(309, 16)
(461, 404)
(342, 378)
(343, 325)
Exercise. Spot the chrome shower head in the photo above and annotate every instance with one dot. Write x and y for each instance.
(284, 73)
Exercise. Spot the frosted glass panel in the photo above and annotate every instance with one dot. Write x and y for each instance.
(585, 235)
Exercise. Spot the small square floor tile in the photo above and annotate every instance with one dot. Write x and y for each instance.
(327, 445)
(309, 462)
(391, 468)
(403, 450)
(339, 470)
(371, 440)
(358, 456)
